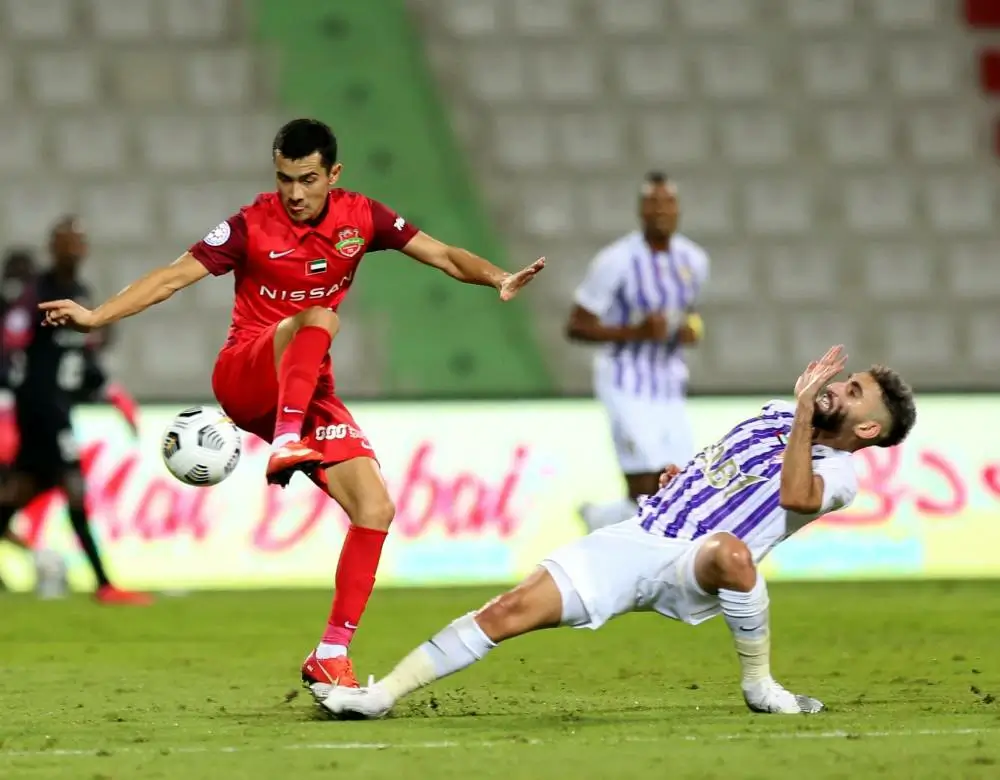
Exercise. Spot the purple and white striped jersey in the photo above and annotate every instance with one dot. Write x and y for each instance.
(733, 485)
(625, 283)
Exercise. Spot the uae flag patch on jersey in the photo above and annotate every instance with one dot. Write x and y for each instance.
(316, 266)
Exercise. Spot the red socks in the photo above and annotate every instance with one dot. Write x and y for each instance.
(359, 559)
(298, 373)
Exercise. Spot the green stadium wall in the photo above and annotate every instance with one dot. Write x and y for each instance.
(360, 67)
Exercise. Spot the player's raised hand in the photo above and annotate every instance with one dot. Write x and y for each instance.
(819, 373)
(668, 474)
(68, 314)
(512, 285)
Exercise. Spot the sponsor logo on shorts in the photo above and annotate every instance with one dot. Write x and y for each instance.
(349, 242)
(342, 431)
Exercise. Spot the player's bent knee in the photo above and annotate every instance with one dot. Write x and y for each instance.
(725, 562)
(375, 513)
(504, 617)
(318, 317)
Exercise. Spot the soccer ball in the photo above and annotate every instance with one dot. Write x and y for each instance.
(201, 446)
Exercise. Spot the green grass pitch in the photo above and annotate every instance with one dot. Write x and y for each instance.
(206, 687)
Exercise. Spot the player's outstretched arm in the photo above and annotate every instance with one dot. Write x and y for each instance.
(801, 488)
(155, 287)
(466, 267)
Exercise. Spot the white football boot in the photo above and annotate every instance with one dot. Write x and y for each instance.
(769, 696)
(369, 703)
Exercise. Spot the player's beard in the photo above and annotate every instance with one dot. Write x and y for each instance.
(829, 421)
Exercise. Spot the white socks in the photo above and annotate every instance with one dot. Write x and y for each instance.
(455, 647)
(747, 617)
(603, 515)
(325, 650)
(281, 441)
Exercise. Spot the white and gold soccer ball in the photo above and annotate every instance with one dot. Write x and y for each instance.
(201, 446)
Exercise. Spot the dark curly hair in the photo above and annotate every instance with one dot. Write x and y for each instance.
(897, 396)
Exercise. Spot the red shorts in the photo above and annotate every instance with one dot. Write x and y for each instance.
(245, 382)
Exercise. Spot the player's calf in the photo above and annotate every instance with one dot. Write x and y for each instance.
(725, 566)
(534, 604)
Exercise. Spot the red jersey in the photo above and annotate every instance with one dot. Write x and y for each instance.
(282, 267)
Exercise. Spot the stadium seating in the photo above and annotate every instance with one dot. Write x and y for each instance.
(833, 156)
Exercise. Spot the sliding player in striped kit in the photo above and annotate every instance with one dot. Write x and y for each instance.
(638, 301)
(691, 552)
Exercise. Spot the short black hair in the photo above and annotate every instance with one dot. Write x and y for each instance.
(897, 396)
(656, 177)
(17, 260)
(303, 137)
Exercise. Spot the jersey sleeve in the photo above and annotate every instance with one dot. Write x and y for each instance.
(840, 482)
(389, 230)
(225, 246)
(599, 287)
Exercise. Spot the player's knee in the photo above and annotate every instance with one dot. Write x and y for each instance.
(734, 564)
(318, 317)
(375, 513)
(503, 617)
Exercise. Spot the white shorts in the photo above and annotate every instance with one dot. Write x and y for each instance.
(649, 433)
(622, 569)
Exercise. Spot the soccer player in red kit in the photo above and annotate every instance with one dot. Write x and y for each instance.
(294, 254)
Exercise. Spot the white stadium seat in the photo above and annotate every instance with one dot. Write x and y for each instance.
(802, 271)
(522, 140)
(958, 203)
(495, 73)
(544, 17)
(942, 134)
(30, 210)
(196, 19)
(919, 338)
(192, 210)
(878, 204)
(650, 72)
(908, 14)
(173, 144)
(668, 138)
(815, 328)
(242, 142)
(123, 20)
(90, 143)
(60, 79)
(858, 135)
(566, 73)
(716, 15)
(21, 143)
(589, 140)
(734, 274)
(549, 208)
(778, 205)
(6, 80)
(734, 71)
(972, 269)
(471, 18)
(756, 136)
(899, 270)
(38, 20)
(925, 69)
(630, 17)
(218, 77)
(119, 212)
(818, 15)
(609, 206)
(146, 77)
(708, 206)
(745, 339)
(984, 346)
(835, 69)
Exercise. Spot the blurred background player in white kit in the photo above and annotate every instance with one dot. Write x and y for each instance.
(638, 300)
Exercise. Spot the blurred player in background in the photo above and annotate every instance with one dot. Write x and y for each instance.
(638, 301)
(48, 372)
(294, 254)
(691, 551)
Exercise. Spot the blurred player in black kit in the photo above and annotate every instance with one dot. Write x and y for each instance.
(48, 371)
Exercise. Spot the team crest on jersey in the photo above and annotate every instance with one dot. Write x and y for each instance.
(349, 242)
(218, 235)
